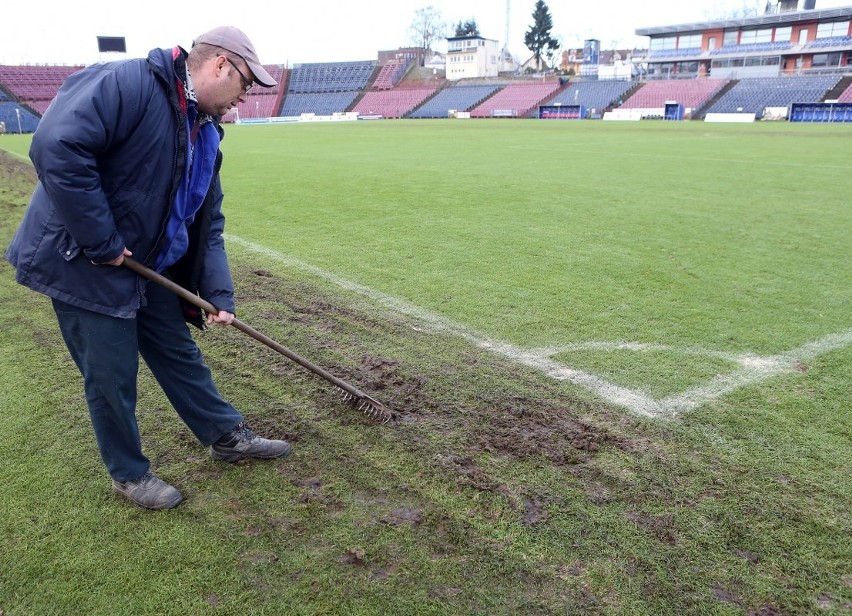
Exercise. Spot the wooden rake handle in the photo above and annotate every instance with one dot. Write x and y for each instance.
(352, 394)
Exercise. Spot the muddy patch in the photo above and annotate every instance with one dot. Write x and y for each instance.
(661, 526)
(534, 511)
(403, 516)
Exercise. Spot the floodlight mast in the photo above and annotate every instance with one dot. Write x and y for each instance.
(508, 15)
(18, 114)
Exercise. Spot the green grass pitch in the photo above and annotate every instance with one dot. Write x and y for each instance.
(621, 356)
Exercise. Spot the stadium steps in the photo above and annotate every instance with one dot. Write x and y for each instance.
(282, 92)
(371, 80)
(8, 93)
(837, 90)
(411, 67)
(489, 97)
(356, 100)
(547, 99)
(425, 101)
(699, 115)
(367, 87)
(633, 90)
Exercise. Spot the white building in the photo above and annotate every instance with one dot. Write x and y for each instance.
(472, 56)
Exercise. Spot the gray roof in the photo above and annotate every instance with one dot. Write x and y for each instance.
(787, 17)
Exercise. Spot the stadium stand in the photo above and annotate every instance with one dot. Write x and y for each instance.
(391, 72)
(319, 103)
(846, 96)
(750, 48)
(35, 86)
(691, 93)
(11, 113)
(455, 98)
(676, 53)
(394, 103)
(755, 94)
(598, 95)
(330, 77)
(834, 41)
(325, 88)
(515, 100)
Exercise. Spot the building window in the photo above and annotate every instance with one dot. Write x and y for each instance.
(756, 36)
(826, 59)
(663, 43)
(832, 29)
(783, 35)
(731, 37)
(689, 41)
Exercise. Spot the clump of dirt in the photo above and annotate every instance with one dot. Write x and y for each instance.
(661, 526)
(401, 516)
(468, 473)
(523, 429)
(726, 596)
(379, 374)
(354, 556)
(533, 511)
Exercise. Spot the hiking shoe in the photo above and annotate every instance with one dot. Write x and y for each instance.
(149, 491)
(241, 442)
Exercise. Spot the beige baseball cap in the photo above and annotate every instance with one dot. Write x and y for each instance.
(235, 41)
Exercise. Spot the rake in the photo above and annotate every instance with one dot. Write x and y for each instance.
(351, 395)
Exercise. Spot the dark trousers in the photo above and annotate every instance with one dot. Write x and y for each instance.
(106, 350)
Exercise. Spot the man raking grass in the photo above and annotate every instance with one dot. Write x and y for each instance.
(128, 162)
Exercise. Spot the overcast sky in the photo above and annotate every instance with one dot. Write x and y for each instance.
(288, 32)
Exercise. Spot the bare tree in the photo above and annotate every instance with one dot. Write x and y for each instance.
(553, 52)
(748, 8)
(428, 26)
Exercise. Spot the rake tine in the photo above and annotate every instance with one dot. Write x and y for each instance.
(366, 405)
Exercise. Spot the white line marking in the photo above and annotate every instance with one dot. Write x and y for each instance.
(753, 368)
(762, 368)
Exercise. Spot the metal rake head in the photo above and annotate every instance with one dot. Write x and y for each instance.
(367, 405)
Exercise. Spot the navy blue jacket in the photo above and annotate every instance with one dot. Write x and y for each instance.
(109, 153)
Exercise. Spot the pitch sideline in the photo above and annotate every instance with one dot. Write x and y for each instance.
(753, 368)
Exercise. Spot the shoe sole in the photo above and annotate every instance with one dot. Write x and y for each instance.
(233, 457)
(169, 505)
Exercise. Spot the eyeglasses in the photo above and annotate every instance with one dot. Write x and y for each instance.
(246, 83)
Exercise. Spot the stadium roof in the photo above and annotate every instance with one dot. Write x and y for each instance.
(787, 17)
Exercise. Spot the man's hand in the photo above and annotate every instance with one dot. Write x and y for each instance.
(120, 258)
(222, 318)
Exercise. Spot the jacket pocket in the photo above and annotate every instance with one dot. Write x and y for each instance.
(124, 201)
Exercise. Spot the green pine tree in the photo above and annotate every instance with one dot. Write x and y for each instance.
(537, 38)
(467, 28)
